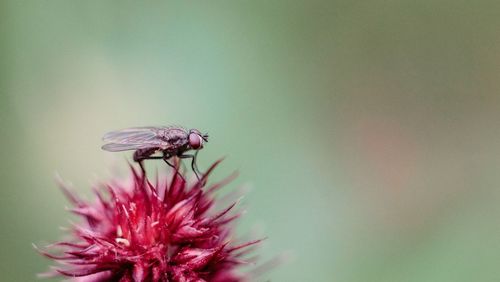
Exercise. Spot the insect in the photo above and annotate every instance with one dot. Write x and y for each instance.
(171, 141)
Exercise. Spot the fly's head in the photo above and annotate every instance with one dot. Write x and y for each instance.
(197, 139)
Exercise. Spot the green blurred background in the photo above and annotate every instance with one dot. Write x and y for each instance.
(368, 131)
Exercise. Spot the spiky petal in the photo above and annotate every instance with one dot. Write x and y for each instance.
(139, 231)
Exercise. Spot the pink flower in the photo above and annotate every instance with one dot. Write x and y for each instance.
(140, 231)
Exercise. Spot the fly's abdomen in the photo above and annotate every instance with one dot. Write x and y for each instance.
(142, 154)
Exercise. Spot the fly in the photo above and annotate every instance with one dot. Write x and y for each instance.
(170, 141)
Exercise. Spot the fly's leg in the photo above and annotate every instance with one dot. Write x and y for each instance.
(176, 169)
(141, 164)
(194, 166)
(144, 154)
(152, 158)
(165, 159)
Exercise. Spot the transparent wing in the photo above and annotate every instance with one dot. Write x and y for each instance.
(115, 147)
(133, 138)
(132, 135)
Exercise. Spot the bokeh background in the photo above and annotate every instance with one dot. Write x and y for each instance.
(368, 132)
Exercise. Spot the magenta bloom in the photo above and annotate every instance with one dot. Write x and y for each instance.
(142, 231)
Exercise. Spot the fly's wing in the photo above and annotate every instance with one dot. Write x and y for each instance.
(133, 139)
(116, 147)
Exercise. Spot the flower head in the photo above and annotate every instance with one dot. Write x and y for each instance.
(169, 230)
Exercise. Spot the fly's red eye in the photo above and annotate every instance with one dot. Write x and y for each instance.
(195, 141)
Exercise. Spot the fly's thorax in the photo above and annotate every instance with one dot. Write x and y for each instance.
(174, 134)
